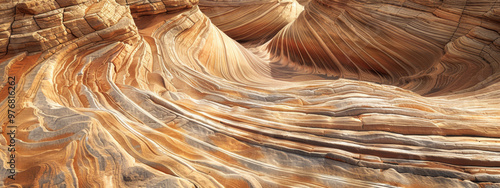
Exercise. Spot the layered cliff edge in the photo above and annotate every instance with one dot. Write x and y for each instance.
(250, 93)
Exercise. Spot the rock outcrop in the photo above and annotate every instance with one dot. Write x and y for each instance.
(251, 22)
(430, 47)
(354, 93)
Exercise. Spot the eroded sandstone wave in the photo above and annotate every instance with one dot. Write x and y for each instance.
(172, 100)
(431, 47)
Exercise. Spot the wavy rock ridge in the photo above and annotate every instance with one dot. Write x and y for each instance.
(252, 93)
(431, 47)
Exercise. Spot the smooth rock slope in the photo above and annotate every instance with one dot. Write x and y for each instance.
(258, 93)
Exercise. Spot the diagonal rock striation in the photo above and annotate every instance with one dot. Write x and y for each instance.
(251, 93)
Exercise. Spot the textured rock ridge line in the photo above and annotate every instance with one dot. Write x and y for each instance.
(431, 47)
(175, 94)
(251, 21)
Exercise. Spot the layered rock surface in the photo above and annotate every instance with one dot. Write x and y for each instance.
(430, 47)
(252, 93)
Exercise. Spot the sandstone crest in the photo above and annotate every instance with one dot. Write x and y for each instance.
(258, 93)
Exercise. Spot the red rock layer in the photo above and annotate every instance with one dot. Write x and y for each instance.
(251, 21)
(170, 100)
(431, 47)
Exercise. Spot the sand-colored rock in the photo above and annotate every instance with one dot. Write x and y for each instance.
(425, 46)
(251, 21)
(148, 7)
(125, 93)
(37, 7)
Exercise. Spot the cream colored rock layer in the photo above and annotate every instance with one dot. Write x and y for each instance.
(430, 47)
(172, 101)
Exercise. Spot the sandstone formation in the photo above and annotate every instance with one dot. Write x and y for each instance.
(430, 47)
(251, 21)
(260, 93)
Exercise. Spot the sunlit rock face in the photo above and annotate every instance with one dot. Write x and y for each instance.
(250, 93)
(430, 47)
(251, 21)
